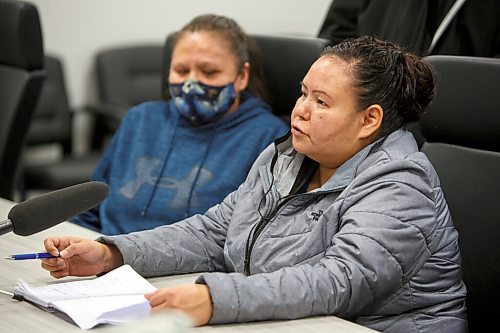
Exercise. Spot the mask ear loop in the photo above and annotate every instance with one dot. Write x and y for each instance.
(237, 94)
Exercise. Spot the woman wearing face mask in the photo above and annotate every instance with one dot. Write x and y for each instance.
(170, 160)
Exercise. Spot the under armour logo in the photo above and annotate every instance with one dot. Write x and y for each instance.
(316, 215)
(145, 168)
(183, 186)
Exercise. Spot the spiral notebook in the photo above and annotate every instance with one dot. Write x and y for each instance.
(113, 298)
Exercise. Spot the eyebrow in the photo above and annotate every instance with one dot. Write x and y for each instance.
(315, 91)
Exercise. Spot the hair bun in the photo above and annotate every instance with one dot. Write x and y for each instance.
(418, 87)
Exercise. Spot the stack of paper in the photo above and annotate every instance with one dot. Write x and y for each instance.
(116, 297)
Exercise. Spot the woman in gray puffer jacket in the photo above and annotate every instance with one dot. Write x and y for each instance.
(344, 216)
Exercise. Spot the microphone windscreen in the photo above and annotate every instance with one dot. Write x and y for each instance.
(46, 210)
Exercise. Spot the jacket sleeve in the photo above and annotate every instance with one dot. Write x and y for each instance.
(192, 245)
(376, 249)
(341, 21)
(195, 244)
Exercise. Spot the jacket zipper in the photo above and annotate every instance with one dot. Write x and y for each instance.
(264, 222)
(258, 229)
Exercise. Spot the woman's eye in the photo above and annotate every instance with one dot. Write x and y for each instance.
(322, 103)
(209, 72)
(182, 71)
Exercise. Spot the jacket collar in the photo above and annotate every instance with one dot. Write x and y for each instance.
(287, 163)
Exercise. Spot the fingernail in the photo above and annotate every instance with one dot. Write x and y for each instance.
(63, 253)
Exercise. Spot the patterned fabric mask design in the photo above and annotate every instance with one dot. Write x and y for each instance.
(201, 103)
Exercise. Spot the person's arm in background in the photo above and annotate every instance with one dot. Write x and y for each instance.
(90, 219)
(475, 31)
(341, 21)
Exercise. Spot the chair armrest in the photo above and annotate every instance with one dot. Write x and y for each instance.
(106, 119)
(114, 112)
(109, 115)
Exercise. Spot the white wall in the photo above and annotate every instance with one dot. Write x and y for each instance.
(76, 30)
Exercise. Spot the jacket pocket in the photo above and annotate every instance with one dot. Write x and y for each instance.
(287, 226)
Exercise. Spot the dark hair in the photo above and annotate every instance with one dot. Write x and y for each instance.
(384, 73)
(244, 47)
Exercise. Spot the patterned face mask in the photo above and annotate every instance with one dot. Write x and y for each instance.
(201, 103)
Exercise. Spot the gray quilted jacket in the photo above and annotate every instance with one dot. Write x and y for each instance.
(375, 244)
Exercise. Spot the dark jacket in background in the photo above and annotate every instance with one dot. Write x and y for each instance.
(474, 31)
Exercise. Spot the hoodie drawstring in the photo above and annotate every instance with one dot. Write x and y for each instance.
(167, 155)
(205, 155)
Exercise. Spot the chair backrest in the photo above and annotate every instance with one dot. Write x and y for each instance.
(461, 129)
(126, 76)
(285, 61)
(129, 75)
(21, 77)
(51, 122)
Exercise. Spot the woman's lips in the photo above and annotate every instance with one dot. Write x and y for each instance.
(296, 130)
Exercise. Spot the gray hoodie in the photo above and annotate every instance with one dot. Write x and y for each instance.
(375, 244)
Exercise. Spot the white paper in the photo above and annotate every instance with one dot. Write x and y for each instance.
(115, 297)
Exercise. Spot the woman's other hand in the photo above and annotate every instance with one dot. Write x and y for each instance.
(194, 300)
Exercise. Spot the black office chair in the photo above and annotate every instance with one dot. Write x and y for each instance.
(52, 124)
(285, 62)
(461, 129)
(51, 121)
(21, 77)
(126, 76)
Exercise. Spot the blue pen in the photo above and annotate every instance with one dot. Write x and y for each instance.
(26, 256)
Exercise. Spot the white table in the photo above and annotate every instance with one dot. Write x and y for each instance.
(26, 318)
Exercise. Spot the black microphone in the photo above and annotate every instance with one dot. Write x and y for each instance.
(47, 210)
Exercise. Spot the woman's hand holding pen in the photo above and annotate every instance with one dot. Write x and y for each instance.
(79, 257)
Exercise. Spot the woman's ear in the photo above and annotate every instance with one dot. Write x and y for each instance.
(241, 82)
(372, 120)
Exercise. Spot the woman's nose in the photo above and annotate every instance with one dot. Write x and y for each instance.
(301, 108)
(192, 76)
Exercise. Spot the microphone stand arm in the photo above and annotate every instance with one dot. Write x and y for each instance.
(6, 226)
